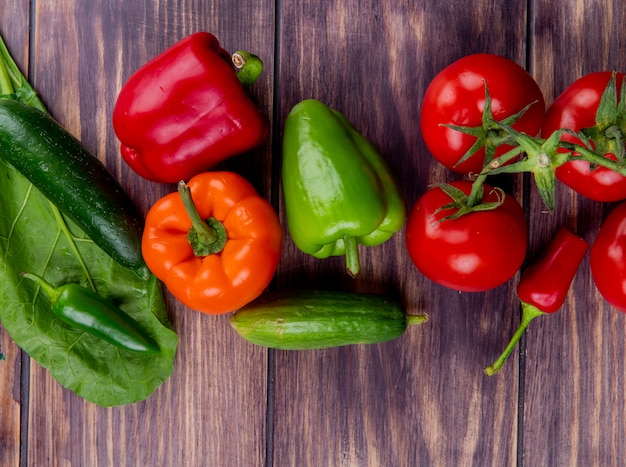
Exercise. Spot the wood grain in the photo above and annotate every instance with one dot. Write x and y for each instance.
(421, 400)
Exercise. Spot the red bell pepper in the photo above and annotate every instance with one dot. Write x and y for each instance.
(544, 285)
(186, 110)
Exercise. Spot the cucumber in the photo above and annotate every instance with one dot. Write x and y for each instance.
(72, 178)
(314, 319)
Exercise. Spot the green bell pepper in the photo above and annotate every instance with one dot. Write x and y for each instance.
(338, 190)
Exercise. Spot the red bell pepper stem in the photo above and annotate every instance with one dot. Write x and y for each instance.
(206, 237)
(529, 312)
(249, 67)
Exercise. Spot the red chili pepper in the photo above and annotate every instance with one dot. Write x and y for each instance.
(186, 110)
(544, 285)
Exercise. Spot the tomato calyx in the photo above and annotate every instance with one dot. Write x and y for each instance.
(601, 145)
(608, 132)
(206, 237)
(464, 204)
(490, 134)
(541, 159)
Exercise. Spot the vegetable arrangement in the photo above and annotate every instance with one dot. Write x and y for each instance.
(581, 145)
(216, 243)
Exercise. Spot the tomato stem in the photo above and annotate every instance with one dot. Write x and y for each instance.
(529, 312)
(476, 195)
(594, 158)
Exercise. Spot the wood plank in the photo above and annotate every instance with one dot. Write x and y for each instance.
(16, 36)
(84, 51)
(575, 371)
(423, 399)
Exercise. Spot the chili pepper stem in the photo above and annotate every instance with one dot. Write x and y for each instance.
(529, 312)
(205, 237)
(249, 67)
(49, 290)
(353, 264)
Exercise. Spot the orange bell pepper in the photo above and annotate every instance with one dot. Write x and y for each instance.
(215, 244)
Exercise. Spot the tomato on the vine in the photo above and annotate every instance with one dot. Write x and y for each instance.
(456, 96)
(575, 109)
(475, 252)
(607, 258)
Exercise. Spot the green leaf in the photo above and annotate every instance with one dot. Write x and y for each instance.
(32, 239)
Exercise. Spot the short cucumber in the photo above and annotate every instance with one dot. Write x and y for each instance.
(72, 178)
(314, 319)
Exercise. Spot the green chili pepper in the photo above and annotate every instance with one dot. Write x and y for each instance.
(83, 309)
(338, 190)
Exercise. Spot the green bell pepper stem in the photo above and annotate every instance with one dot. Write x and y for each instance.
(353, 264)
(529, 312)
(249, 67)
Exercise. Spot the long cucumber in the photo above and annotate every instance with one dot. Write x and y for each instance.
(72, 178)
(314, 319)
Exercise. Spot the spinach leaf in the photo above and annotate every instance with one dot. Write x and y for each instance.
(32, 238)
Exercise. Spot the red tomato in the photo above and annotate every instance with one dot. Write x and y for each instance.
(607, 258)
(457, 96)
(576, 109)
(475, 252)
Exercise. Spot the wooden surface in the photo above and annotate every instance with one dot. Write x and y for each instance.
(421, 400)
